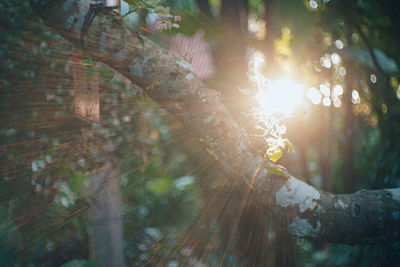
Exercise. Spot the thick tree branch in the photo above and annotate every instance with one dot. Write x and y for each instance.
(364, 217)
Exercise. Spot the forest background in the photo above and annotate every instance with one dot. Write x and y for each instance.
(162, 209)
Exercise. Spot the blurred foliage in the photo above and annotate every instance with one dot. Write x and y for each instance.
(46, 154)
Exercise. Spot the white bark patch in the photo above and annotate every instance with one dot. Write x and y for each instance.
(146, 59)
(341, 204)
(184, 64)
(297, 192)
(189, 76)
(137, 70)
(395, 194)
(121, 55)
(303, 228)
(240, 145)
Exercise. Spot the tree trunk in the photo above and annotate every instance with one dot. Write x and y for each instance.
(105, 216)
(272, 34)
(205, 8)
(230, 55)
(348, 178)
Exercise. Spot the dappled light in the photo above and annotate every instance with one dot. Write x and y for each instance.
(314, 95)
(325, 95)
(355, 96)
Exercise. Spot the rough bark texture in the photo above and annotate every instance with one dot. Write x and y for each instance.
(361, 218)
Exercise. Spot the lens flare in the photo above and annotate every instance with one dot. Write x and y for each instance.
(281, 97)
(276, 101)
(275, 97)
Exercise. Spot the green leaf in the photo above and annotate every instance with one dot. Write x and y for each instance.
(290, 146)
(276, 156)
(276, 170)
(87, 63)
(161, 185)
(129, 2)
(90, 72)
(150, 3)
(105, 73)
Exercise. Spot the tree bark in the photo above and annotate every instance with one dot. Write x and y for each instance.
(365, 217)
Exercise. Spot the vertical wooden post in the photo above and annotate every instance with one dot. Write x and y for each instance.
(105, 217)
(86, 90)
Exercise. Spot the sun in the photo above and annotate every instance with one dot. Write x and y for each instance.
(279, 97)
(275, 97)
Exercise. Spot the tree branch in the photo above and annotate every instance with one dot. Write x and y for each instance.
(364, 217)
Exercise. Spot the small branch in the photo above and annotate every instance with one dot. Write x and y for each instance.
(385, 91)
(370, 50)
